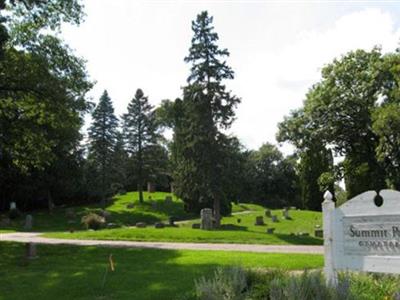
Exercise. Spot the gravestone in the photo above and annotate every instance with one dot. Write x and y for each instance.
(270, 230)
(159, 225)
(105, 214)
(13, 205)
(196, 226)
(274, 218)
(168, 200)
(70, 213)
(151, 188)
(319, 233)
(141, 224)
(31, 251)
(259, 221)
(268, 213)
(285, 214)
(28, 222)
(206, 216)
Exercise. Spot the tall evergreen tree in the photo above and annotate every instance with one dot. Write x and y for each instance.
(102, 139)
(141, 133)
(208, 108)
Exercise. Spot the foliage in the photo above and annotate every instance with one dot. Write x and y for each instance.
(207, 107)
(93, 221)
(226, 284)
(141, 133)
(102, 142)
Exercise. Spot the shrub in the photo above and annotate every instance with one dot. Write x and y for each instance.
(13, 214)
(227, 284)
(93, 221)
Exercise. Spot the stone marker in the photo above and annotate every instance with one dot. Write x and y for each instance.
(70, 213)
(285, 214)
(259, 221)
(168, 200)
(151, 187)
(111, 225)
(31, 252)
(141, 225)
(206, 219)
(28, 222)
(268, 213)
(159, 225)
(293, 208)
(270, 230)
(274, 218)
(13, 206)
(319, 233)
(196, 226)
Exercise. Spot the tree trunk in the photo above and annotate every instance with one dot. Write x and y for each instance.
(50, 203)
(217, 212)
(140, 189)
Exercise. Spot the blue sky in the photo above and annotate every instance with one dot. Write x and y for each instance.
(277, 49)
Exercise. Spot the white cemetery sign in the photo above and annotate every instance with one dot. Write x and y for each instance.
(362, 236)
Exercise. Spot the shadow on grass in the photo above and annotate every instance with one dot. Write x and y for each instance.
(299, 240)
(62, 272)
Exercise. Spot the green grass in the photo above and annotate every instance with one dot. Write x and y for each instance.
(65, 272)
(231, 231)
(120, 214)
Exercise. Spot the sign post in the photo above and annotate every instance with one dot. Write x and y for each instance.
(362, 235)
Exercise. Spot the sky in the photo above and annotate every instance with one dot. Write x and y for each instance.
(277, 50)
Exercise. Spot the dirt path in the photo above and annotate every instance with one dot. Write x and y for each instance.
(35, 237)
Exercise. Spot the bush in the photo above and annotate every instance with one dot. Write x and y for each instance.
(93, 221)
(13, 214)
(227, 284)
(238, 284)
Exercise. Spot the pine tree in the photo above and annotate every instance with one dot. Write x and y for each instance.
(141, 133)
(208, 107)
(102, 139)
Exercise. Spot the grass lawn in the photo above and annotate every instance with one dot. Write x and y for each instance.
(120, 214)
(66, 272)
(232, 230)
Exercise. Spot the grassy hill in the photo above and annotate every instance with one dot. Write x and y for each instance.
(237, 228)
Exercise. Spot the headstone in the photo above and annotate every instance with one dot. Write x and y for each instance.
(168, 200)
(130, 205)
(270, 230)
(319, 233)
(285, 214)
(206, 216)
(159, 225)
(274, 218)
(28, 222)
(13, 206)
(70, 213)
(196, 226)
(268, 213)
(259, 221)
(141, 224)
(111, 225)
(151, 188)
(31, 251)
(293, 207)
(105, 214)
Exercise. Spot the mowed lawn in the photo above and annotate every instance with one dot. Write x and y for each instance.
(121, 215)
(67, 272)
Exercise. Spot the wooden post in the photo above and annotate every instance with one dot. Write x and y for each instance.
(328, 209)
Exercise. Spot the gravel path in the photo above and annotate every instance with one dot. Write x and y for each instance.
(35, 237)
